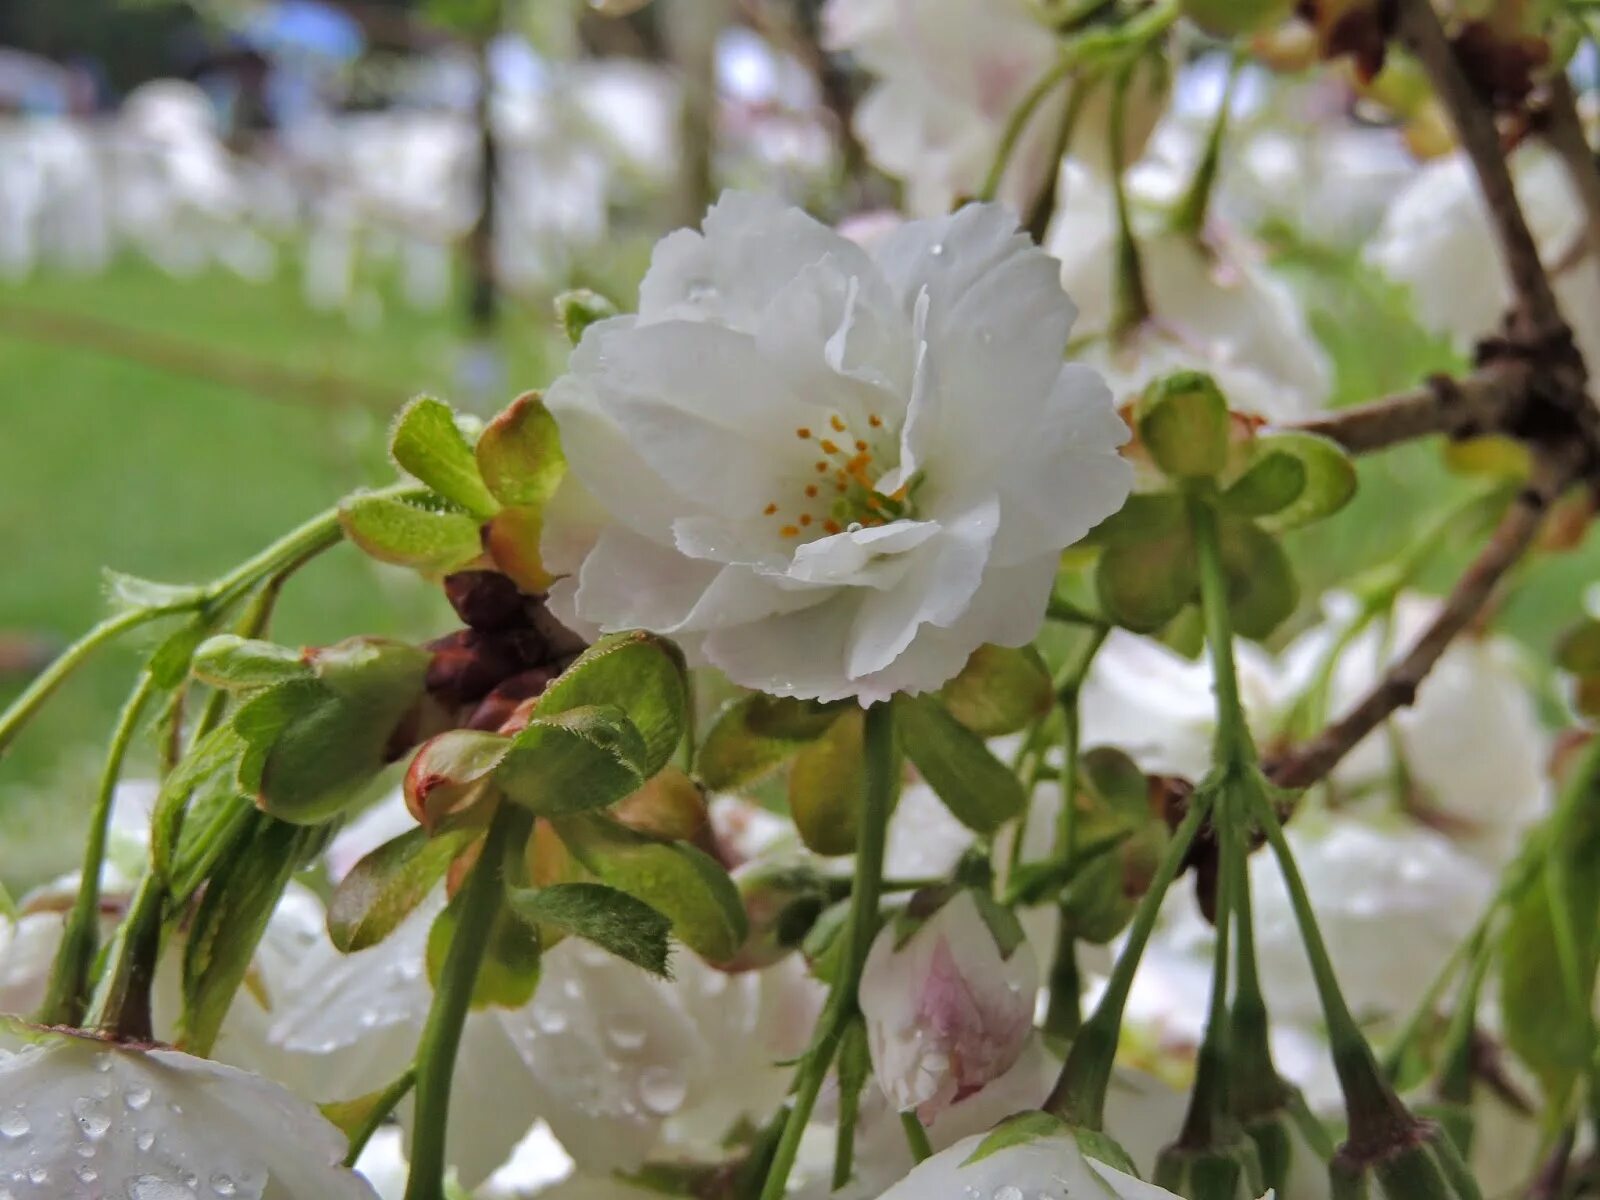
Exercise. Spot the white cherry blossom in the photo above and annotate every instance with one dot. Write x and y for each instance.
(82, 1117)
(830, 474)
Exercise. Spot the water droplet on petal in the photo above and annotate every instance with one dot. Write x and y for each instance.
(626, 1037)
(92, 1118)
(86, 1174)
(550, 1020)
(1008, 1192)
(223, 1186)
(662, 1090)
(137, 1098)
(936, 250)
(145, 1140)
(14, 1125)
(153, 1187)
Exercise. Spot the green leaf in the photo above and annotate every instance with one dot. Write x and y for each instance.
(428, 444)
(1273, 482)
(1020, 1130)
(408, 534)
(239, 900)
(208, 771)
(509, 973)
(756, 734)
(1147, 572)
(613, 920)
(641, 674)
(236, 663)
(1183, 423)
(387, 885)
(315, 744)
(170, 663)
(573, 760)
(578, 309)
(1262, 592)
(129, 592)
(1330, 478)
(977, 788)
(350, 1117)
(828, 786)
(519, 453)
(1000, 690)
(677, 880)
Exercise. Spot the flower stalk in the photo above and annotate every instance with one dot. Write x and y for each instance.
(881, 791)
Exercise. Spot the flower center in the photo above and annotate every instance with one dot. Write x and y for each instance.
(839, 495)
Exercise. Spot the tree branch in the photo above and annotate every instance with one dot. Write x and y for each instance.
(1553, 471)
(1486, 401)
(1535, 314)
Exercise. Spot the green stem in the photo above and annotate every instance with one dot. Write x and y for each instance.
(1190, 216)
(70, 659)
(381, 1108)
(1130, 301)
(1018, 121)
(121, 1005)
(480, 899)
(1234, 746)
(67, 992)
(1209, 1102)
(916, 1136)
(882, 788)
(1079, 1095)
(1376, 1116)
(1258, 1089)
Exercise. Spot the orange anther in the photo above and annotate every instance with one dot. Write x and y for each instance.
(805, 518)
(875, 421)
(790, 531)
(829, 446)
(770, 509)
(802, 433)
(837, 422)
(811, 490)
(861, 446)
(821, 467)
(831, 525)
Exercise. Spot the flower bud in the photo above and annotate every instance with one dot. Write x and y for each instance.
(948, 1001)
(485, 600)
(1422, 1164)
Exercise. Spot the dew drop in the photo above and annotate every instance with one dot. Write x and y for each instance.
(936, 250)
(86, 1174)
(153, 1187)
(102, 1062)
(145, 1140)
(700, 291)
(92, 1118)
(550, 1020)
(137, 1098)
(662, 1090)
(626, 1037)
(223, 1186)
(1009, 1192)
(14, 1125)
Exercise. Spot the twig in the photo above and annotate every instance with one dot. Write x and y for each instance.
(1485, 401)
(1306, 764)
(1535, 314)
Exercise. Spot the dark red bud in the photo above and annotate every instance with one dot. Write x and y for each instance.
(486, 600)
(496, 708)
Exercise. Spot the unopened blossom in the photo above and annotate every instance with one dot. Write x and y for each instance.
(948, 1009)
(828, 473)
(1212, 309)
(1048, 1166)
(1472, 748)
(82, 1117)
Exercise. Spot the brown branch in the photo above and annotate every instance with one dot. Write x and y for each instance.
(1535, 314)
(1488, 400)
(1313, 760)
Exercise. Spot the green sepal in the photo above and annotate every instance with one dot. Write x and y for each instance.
(509, 973)
(407, 532)
(640, 673)
(573, 760)
(1149, 570)
(1018, 1130)
(1000, 690)
(1330, 478)
(239, 664)
(828, 785)
(1183, 423)
(979, 790)
(753, 736)
(386, 886)
(1269, 485)
(519, 454)
(618, 923)
(427, 443)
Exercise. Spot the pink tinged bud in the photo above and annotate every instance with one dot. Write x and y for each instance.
(947, 1009)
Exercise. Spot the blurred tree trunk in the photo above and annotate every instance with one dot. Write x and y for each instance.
(482, 292)
(691, 28)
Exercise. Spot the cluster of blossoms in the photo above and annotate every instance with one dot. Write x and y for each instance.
(857, 769)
